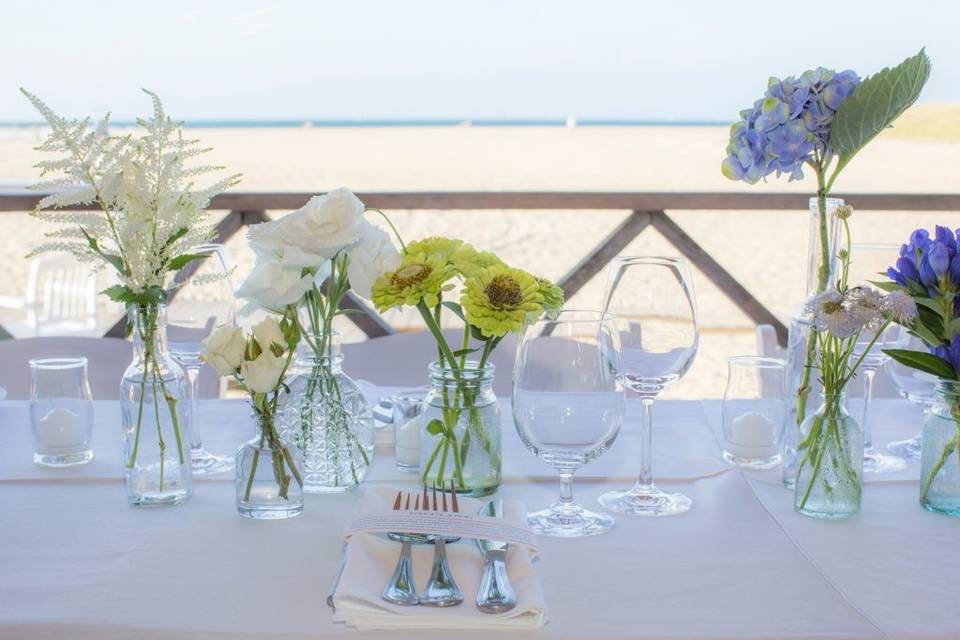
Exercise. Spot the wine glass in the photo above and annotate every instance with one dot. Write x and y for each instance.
(869, 262)
(656, 317)
(201, 299)
(568, 406)
(917, 387)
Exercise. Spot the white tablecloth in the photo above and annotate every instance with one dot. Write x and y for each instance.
(77, 562)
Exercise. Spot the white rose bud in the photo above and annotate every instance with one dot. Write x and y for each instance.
(273, 286)
(263, 374)
(373, 257)
(267, 332)
(326, 225)
(223, 350)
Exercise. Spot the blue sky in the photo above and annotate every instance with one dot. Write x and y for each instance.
(679, 59)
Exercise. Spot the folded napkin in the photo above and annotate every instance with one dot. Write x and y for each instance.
(371, 558)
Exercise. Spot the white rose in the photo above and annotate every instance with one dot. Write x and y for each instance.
(373, 257)
(266, 240)
(326, 224)
(263, 374)
(223, 350)
(273, 286)
(267, 332)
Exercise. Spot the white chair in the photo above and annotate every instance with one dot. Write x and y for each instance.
(60, 298)
(402, 359)
(107, 359)
(883, 385)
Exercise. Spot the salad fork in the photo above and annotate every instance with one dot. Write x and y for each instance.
(401, 589)
(441, 589)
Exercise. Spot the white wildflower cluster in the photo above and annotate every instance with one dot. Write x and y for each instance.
(151, 213)
(861, 308)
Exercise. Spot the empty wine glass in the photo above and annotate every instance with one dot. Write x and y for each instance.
(868, 262)
(656, 317)
(568, 406)
(917, 387)
(201, 299)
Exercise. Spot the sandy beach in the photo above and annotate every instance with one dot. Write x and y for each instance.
(766, 250)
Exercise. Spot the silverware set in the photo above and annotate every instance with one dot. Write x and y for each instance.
(495, 595)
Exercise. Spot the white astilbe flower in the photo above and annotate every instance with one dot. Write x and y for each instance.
(150, 210)
(900, 306)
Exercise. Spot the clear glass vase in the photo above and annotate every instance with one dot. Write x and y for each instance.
(329, 420)
(460, 441)
(803, 389)
(268, 475)
(153, 407)
(940, 457)
(829, 480)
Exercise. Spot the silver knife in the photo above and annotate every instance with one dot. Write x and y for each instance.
(495, 594)
(336, 580)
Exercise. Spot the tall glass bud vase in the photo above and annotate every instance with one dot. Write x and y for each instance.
(460, 443)
(328, 419)
(803, 389)
(153, 406)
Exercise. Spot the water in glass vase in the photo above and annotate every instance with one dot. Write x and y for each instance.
(940, 456)
(268, 476)
(829, 481)
(153, 406)
(460, 441)
(330, 422)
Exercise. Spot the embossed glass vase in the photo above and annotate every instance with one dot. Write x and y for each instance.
(153, 407)
(329, 420)
(460, 441)
(829, 480)
(940, 456)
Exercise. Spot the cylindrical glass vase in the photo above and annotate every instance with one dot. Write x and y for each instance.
(268, 474)
(153, 406)
(829, 482)
(940, 456)
(460, 441)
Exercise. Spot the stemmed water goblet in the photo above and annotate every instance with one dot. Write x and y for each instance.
(568, 405)
(655, 314)
(201, 299)
(917, 387)
(868, 262)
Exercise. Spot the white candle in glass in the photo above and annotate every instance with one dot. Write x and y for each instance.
(60, 428)
(753, 435)
(407, 447)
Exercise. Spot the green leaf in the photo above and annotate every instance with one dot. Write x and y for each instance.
(875, 104)
(114, 260)
(435, 427)
(930, 320)
(477, 334)
(181, 261)
(119, 293)
(923, 361)
(463, 352)
(456, 308)
(886, 286)
(179, 233)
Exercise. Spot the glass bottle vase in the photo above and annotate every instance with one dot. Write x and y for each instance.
(329, 420)
(460, 441)
(940, 456)
(829, 480)
(153, 407)
(268, 475)
(803, 389)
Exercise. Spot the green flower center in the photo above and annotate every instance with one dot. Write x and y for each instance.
(830, 308)
(410, 275)
(503, 292)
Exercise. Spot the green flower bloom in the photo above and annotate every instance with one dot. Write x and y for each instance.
(552, 294)
(498, 299)
(420, 277)
(462, 255)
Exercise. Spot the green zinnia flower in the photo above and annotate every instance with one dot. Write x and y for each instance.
(420, 277)
(498, 299)
(552, 294)
(462, 255)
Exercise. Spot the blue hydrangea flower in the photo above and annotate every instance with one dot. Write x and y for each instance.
(783, 130)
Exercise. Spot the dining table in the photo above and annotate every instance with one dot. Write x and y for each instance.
(77, 561)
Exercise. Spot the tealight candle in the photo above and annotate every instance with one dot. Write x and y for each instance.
(60, 428)
(407, 447)
(753, 435)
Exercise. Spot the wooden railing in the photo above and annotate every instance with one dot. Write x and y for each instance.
(647, 210)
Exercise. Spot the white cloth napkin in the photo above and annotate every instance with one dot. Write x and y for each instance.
(370, 561)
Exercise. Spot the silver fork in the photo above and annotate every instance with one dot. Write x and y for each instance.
(441, 589)
(401, 589)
